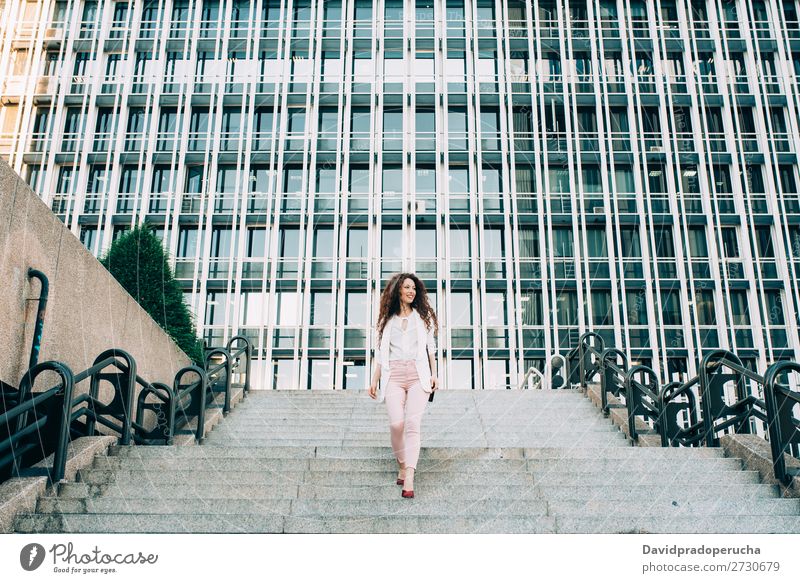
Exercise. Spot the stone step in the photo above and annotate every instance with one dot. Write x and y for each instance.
(424, 506)
(455, 420)
(276, 479)
(492, 461)
(184, 505)
(578, 409)
(217, 451)
(578, 494)
(445, 404)
(298, 507)
(633, 465)
(599, 440)
(289, 428)
(247, 523)
(239, 435)
(419, 524)
(420, 507)
(721, 506)
(683, 494)
(656, 477)
(374, 409)
(314, 464)
(449, 393)
(149, 523)
(427, 433)
(246, 463)
(739, 524)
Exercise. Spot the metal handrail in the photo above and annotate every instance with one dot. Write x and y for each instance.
(57, 413)
(610, 374)
(44, 292)
(784, 428)
(536, 384)
(197, 392)
(672, 434)
(51, 421)
(246, 351)
(215, 372)
(585, 353)
(124, 381)
(171, 407)
(636, 404)
(164, 410)
(711, 403)
(663, 407)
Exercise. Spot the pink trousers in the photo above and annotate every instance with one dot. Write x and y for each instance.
(405, 402)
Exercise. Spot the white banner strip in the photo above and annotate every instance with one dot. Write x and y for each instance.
(401, 558)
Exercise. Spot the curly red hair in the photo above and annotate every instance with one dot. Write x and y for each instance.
(390, 303)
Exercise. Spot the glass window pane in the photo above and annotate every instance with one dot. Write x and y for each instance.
(391, 243)
(459, 242)
(357, 242)
(567, 308)
(601, 308)
(739, 308)
(321, 308)
(461, 308)
(496, 309)
(636, 308)
(493, 239)
(321, 373)
(356, 309)
(461, 374)
(286, 309)
(532, 309)
(706, 315)
(425, 242)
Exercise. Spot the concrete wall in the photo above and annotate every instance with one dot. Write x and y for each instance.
(87, 311)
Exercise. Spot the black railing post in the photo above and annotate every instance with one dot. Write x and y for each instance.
(711, 389)
(665, 391)
(608, 375)
(634, 397)
(197, 391)
(44, 292)
(63, 412)
(163, 409)
(247, 350)
(585, 352)
(226, 365)
(124, 383)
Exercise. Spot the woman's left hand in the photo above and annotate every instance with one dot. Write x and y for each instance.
(434, 383)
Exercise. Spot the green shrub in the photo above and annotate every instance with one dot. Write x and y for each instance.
(139, 263)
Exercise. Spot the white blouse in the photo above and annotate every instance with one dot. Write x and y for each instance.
(402, 343)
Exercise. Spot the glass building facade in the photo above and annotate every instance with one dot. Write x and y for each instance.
(623, 166)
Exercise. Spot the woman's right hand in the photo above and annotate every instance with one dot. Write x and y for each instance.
(373, 391)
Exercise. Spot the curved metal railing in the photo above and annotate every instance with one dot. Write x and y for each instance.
(23, 442)
(533, 379)
(698, 411)
(783, 422)
(57, 416)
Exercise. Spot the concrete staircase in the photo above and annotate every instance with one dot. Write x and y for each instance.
(491, 462)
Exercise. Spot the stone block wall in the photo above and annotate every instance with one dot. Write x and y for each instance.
(87, 311)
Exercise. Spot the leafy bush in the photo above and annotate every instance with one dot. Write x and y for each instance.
(139, 263)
